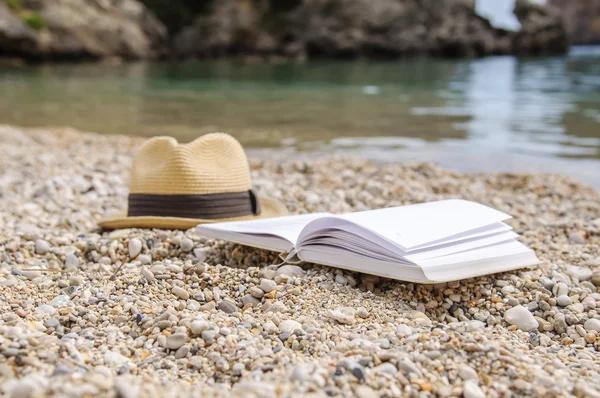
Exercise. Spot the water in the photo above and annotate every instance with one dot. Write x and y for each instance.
(492, 114)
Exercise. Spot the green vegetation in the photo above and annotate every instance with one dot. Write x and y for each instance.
(15, 5)
(35, 21)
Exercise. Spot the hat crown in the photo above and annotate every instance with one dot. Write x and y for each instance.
(213, 163)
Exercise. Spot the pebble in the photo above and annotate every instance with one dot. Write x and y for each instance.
(268, 285)
(592, 324)
(186, 244)
(135, 247)
(41, 247)
(145, 259)
(71, 262)
(176, 340)
(147, 274)
(564, 300)
(472, 390)
(258, 292)
(596, 278)
(180, 292)
(560, 289)
(227, 307)
(343, 315)
(250, 299)
(521, 318)
(291, 270)
(289, 326)
(467, 373)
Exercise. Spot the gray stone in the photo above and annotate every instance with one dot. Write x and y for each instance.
(289, 326)
(564, 300)
(227, 307)
(176, 340)
(180, 292)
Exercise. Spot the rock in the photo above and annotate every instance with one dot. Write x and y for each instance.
(227, 307)
(582, 22)
(46, 309)
(560, 289)
(363, 313)
(472, 390)
(80, 29)
(186, 244)
(180, 292)
(32, 273)
(521, 318)
(147, 274)
(291, 270)
(135, 247)
(344, 315)
(467, 373)
(176, 340)
(182, 352)
(41, 247)
(595, 278)
(76, 280)
(403, 330)
(113, 358)
(365, 392)
(201, 253)
(576, 238)
(24, 388)
(592, 324)
(250, 299)
(268, 285)
(71, 262)
(289, 326)
(564, 300)
(126, 389)
(199, 326)
(385, 368)
(257, 292)
(301, 373)
(361, 28)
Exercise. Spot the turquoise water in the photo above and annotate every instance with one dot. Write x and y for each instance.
(499, 113)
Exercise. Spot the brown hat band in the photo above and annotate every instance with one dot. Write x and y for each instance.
(206, 206)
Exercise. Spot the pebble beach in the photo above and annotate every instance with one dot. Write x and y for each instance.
(151, 313)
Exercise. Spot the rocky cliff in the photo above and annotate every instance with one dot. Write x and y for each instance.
(365, 28)
(75, 29)
(79, 29)
(582, 19)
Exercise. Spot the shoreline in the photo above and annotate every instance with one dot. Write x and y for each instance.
(189, 315)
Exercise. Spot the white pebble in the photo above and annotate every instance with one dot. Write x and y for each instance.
(344, 315)
(564, 300)
(592, 324)
(467, 373)
(176, 340)
(472, 390)
(199, 326)
(186, 244)
(521, 317)
(179, 292)
(135, 247)
(289, 326)
(41, 247)
(267, 285)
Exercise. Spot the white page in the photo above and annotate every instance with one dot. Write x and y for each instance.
(479, 232)
(414, 225)
(288, 227)
(457, 247)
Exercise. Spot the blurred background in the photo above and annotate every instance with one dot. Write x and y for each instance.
(486, 85)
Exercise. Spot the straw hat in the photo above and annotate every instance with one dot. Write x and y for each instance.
(178, 186)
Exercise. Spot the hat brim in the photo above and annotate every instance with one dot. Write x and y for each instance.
(268, 208)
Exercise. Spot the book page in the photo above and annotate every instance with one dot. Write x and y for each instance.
(288, 227)
(414, 225)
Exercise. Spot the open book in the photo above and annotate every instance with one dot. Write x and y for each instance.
(426, 243)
